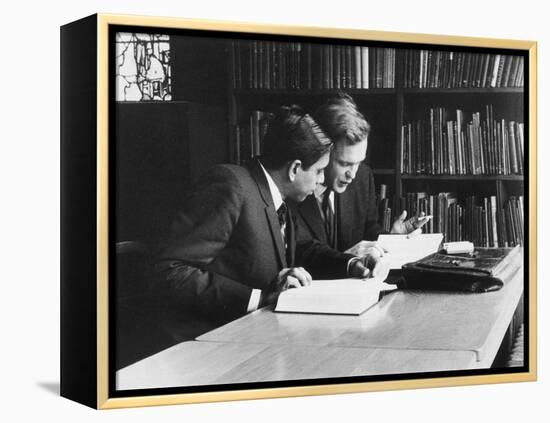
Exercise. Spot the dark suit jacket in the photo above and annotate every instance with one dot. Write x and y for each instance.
(227, 241)
(356, 214)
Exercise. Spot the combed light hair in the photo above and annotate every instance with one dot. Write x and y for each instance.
(342, 121)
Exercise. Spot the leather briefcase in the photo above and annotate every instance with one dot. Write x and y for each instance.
(484, 270)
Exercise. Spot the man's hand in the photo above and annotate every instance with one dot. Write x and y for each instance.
(413, 226)
(363, 247)
(294, 277)
(372, 263)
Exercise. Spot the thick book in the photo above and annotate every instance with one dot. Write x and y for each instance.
(339, 296)
(484, 270)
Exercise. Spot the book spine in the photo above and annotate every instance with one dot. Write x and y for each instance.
(493, 202)
(507, 166)
(365, 67)
(468, 220)
(337, 74)
(351, 61)
(269, 66)
(405, 81)
(486, 63)
(261, 64)
(289, 79)
(438, 69)
(480, 64)
(432, 144)
(477, 145)
(358, 71)
(403, 141)
(275, 65)
(255, 65)
(303, 66)
(506, 72)
(494, 74)
(426, 152)
(429, 69)
(316, 66)
(285, 67)
(250, 62)
(470, 143)
(519, 78)
(299, 65)
(512, 222)
(379, 67)
(462, 83)
(343, 71)
(519, 148)
(503, 241)
(490, 69)
(511, 231)
(469, 79)
(513, 72)
(331, 61)
(450, 148)
(485, 223)
(500, 72)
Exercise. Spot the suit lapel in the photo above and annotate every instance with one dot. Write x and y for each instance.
(275, 230)
(311, 215)
(269, 210)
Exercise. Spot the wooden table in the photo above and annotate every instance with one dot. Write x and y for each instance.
(406, 332)
(208, 363)
(452, 321)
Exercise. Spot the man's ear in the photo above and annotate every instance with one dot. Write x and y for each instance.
(293, 169)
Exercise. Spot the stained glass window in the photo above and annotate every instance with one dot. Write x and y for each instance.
(143, 71)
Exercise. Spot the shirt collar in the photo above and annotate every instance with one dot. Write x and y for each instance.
(320, 192)
(275, 193)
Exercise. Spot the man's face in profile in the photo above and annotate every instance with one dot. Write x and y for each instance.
(344, 162)
(307, 180)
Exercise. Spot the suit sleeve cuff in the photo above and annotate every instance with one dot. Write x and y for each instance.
(254, 301)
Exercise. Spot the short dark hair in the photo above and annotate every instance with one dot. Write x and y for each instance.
(292, 135)
(341, 120)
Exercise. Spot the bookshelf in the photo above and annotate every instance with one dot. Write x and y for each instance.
(447, 132)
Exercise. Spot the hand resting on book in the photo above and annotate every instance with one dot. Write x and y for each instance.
(370, 262)
(294, 277)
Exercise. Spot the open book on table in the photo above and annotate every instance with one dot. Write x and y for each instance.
(400, 248)
(339, 296)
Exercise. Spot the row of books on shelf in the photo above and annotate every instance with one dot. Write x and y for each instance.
(482, 145)
(475, 219)
(286, 65)
(248, 135)
(447, 69)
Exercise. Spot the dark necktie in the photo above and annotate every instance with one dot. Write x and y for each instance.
(282, 213)
(329, 218)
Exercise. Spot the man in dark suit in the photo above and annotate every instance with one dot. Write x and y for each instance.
(232, 247)
(342, 212)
